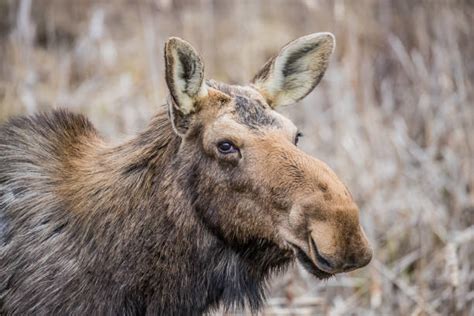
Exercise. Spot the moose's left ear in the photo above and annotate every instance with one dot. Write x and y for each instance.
(296, 70)
(185, 80)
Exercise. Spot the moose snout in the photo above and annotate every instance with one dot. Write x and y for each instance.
(324, 224)
(332, 264)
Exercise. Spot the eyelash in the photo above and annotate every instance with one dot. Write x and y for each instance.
(297, 137)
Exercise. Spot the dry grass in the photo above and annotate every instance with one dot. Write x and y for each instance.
(394, 116)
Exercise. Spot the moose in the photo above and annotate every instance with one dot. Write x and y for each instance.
(194, 213)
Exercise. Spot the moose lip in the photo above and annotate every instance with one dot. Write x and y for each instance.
(308, 264)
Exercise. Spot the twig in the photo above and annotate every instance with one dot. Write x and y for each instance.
(405, 288)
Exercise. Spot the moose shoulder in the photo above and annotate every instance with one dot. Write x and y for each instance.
(195, 212)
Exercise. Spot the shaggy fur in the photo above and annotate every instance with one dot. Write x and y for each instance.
(117, 229)
(166, 223)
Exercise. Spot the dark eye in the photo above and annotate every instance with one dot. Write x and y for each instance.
(297, 137)
(226, 147)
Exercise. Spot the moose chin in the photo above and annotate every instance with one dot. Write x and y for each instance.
(194, 213)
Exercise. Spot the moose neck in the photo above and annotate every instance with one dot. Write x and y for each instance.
(159, 243)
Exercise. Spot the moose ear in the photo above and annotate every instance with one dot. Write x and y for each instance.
(184, 73)
(296, 70)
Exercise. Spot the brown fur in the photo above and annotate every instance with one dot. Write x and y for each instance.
(166, 223)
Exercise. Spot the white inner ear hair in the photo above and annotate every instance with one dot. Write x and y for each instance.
(298, 67)
(188, 89)
(288, 88)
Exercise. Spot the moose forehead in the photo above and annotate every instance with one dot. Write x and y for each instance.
(249, 107)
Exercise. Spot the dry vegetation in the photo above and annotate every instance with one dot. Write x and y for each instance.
(394, 116)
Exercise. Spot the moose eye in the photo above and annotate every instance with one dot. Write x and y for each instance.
(226, 147)
(297, 137)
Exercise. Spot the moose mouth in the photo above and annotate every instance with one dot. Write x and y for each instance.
(309, 265)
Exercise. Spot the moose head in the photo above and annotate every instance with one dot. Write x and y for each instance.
(249, 179)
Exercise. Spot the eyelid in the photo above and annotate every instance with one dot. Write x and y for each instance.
(229, 140)
(231, 150)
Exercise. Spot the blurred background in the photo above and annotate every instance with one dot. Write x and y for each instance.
(393, 116)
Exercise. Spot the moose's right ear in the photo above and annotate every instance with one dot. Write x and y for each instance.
(185, 79)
